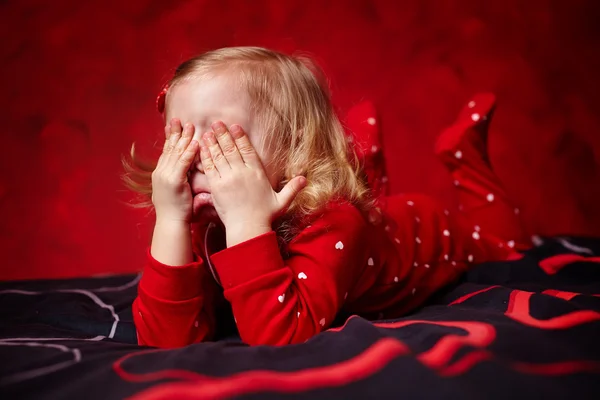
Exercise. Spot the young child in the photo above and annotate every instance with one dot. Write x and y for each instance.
(262, 205)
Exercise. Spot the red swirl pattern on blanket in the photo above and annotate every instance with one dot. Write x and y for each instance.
(478, 335)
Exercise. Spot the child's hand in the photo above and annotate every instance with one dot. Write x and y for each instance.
(241, 191)
(171, 191)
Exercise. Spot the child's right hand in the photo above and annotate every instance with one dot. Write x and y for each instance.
(171, 191)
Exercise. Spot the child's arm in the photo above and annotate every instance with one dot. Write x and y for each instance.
(277, 301)
(174, 304)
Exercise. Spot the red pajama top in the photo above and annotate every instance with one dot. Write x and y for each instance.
(378, 267)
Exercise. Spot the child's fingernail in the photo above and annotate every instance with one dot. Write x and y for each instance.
(235, 129)
(218, 127)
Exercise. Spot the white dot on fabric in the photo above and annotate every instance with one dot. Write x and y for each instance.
(458, 154)
(446, 257)
(387, 228)
(476, 235)
(339, 245)
(139, 312)
(537, 240)
(302, 275)
(426, 265)
(418, 219)
(322, 322)
(396, 279)
(446, 232)
(490, 197)
(374, 149)
(416, 264)
(414, 290)
(281, 298)
(470, 258)
(511, 243)
(410, 203)
(446, 212)
(384, 179)
(196, 324)
(370, 262)
(456, 183)
(418, 240)
(517, 211)
(475, 117)
(477, 228)
(371, 121)
(298, 314)
(346, 296)
(454, 263)
(471, 104)
(397, 240)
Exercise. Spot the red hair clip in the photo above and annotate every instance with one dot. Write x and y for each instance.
(160, 100)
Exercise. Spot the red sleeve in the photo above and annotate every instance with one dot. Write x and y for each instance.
(174, 304)
(277, 301)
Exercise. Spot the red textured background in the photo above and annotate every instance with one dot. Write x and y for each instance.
(79, 83)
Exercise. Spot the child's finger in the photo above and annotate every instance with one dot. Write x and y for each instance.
(244, 146)
(184, 139)
(186, 158)
(174, 155)
(227, 144)
(290, 191)
(218, 159)
(210, 169)
(175, 132)
(167, 144)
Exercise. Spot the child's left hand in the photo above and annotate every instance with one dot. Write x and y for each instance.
(242, 194)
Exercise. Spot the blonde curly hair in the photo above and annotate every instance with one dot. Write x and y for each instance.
(290, 98)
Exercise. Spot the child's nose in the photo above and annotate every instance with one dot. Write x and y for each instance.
(198, 137)
(198, 182)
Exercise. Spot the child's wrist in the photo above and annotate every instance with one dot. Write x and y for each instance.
(241, 232)
(171, 222)
(171, 242)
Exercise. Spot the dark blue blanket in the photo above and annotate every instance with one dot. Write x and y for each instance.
(527, 328)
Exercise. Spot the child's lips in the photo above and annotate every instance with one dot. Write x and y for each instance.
(202, 193)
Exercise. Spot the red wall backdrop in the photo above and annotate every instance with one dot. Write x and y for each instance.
(79, 80)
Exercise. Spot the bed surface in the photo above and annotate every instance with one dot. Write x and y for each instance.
(526, 328)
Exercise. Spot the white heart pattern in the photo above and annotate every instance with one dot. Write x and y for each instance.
(339, 245)
(322, 322)
(281, 298)
(370, 262)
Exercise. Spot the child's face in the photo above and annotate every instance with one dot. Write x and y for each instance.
(205, 101)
